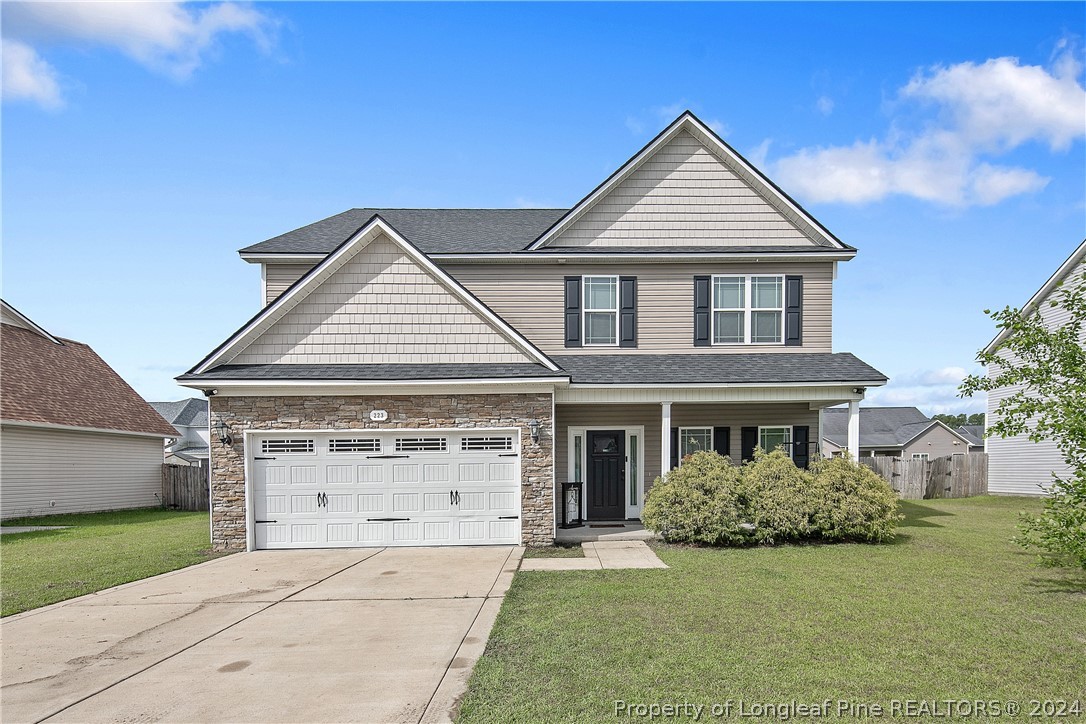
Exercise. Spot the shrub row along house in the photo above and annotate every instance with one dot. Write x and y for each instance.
(432, 376)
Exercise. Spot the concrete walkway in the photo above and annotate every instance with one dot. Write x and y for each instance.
(599, 555)
(371, 635)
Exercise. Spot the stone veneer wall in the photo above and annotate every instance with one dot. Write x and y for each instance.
(404, 411)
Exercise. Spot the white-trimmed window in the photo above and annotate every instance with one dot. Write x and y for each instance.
(694, 439)
(748, 309)
(920, 456)
(600, 315)
(284, 446)
(771, 438)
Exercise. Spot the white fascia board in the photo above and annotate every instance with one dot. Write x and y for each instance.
(315, 276)
(29, 322)
(258, 388)
(281, 258)
(1053, 281)
(723, 385)
(77, 428)
(663, 257)
(687, 121)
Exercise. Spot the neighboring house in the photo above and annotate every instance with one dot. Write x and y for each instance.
(1016, 465)
(901, 432)
(190, 418)
(432, 376)
(975, 435)
(74, 437)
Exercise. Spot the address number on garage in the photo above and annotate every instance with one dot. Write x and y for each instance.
(378, 415)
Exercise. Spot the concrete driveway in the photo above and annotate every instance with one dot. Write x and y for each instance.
(371, 635)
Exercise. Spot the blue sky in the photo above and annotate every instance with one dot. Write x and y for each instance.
(144, 144)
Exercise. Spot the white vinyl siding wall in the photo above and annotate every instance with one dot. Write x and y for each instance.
(684, 195)
(530, 297)
(380, 307)
(81, 471)
(1016, 465)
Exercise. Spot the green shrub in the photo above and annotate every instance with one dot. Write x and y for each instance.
(852, 502)
(702, 501)
(781, 495)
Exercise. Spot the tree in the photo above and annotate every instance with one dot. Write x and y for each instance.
(956, 421)
(1049, 365)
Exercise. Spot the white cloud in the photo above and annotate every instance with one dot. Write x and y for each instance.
(757, 155)
(27, 77)
(934, 391)
(982, 110)
(172, 38)
(824, 104)
(522, 202)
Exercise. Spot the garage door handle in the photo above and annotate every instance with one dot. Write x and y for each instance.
(260, 458)
(267, 521)
(385, 457)
(385, 520)
(507, 455)
(508, 517)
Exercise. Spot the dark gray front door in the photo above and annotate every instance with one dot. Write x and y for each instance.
(606, 474)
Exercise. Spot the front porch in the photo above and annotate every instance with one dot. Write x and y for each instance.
(616, 451)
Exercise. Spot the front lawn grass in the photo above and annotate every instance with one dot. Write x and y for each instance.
(99, 550)
(556, 551)
(951, 609)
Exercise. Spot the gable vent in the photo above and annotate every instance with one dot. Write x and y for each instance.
(286, 446)
(481, 444)
(355, 445)
(422, 444)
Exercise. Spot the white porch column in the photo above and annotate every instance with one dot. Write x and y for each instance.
(665, 437)
(818, 439)
(854, 429)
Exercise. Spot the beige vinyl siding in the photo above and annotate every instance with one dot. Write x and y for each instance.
(531, 298)
(618, 417)
(379, 307)
(80, 471)
(936, 441)
(1016, 465)
(683, 195)
(277, 277)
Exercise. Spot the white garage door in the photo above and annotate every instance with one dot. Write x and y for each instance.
(386, 488)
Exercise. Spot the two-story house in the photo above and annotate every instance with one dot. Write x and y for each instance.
(433, 376)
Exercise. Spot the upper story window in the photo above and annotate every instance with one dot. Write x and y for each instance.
(748, 309)
(600, 310)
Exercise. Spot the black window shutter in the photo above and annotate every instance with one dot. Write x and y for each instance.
(627, 312)
(701, 311)
(674, 448)
(801, 438)
(749, 441)
(573, 311)
(722, 440)
(793, 311)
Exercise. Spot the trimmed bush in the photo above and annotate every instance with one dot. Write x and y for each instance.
(782, 498)
(853, 502)
(702, 501)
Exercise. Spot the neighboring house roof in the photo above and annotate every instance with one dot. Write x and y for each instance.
(626, 369)
(11, 315)
(183, 413)
(434, 231)
(973, 433)
(64, 383)
(374, 229)
(880, 427)
(1077, 256)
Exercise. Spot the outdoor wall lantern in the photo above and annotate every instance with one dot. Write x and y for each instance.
(533, 430)
(223, 432)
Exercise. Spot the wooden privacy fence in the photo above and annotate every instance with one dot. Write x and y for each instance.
(952, 476)
(184, 487)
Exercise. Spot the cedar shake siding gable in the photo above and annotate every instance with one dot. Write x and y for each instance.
(379, 307)
(683, 195)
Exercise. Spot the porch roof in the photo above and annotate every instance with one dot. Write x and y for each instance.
(740, 369)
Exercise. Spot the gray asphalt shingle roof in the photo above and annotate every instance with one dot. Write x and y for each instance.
(434, 231)
(973, 433)
(686, 369)
(187, 413)
(879, 426)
